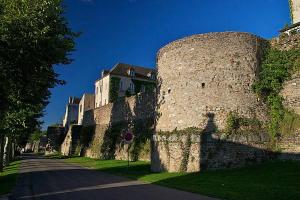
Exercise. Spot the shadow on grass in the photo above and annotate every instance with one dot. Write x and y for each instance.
(269, 180)
(9, 177)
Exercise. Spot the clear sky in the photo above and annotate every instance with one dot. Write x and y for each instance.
(132, 31)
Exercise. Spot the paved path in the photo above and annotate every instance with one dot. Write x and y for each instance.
(49, 179)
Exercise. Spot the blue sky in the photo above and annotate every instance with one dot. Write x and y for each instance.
(132, 31)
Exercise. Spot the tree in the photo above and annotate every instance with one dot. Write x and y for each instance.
(34, 36)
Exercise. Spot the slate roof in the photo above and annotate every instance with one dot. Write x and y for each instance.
(74, 100)
(290, 27)
(121, 69)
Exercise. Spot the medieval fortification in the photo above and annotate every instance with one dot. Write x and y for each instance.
(204, 113)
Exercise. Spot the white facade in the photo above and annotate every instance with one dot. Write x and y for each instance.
(102, 87)
(102, 91)
(71, 114)
(86, 103)
(128, 75)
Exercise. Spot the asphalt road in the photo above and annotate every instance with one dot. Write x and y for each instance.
(50, 179)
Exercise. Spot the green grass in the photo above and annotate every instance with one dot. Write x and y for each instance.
(272, 180)
(8, 177)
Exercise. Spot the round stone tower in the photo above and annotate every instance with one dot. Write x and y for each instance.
(201, 79)
(208, 74)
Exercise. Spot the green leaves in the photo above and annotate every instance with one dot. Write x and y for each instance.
(277, 67)
(34, 36)
(114, 88)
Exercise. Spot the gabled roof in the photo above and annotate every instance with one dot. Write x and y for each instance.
(290, 27)
(121, 69)
(74, 100)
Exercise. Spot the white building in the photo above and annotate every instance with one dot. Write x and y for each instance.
(71, 114)
(123, 80)
(295, 17)
(86, 103)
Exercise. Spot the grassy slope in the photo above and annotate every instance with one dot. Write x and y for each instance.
(8, 177)
(273, 180)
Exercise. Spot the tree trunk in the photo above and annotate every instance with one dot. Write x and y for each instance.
(8, 151)
(1, 152)
(5, 163)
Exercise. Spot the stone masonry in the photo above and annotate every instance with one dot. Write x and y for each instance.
(201, 79)
(99, 135)
(208, 73)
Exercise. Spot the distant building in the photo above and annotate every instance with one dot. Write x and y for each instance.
(123, 80)
(71, 114)
(295, 16)
(87, 102)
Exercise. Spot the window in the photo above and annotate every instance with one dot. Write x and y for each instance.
(96, 90)
(203, 85)
(121, 86)
(143, 89)
(131, 87)
(152, 76)
(131, 72)
(80, 108)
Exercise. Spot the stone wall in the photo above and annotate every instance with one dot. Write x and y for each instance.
(55, 137)
(200, 80)
(291, 88)
(140, 106)
(285, 42)
(217, 151)
(100, 135)
(71, 141)
(207, 151)
(291, 93)
(295, 10)
(208, 73)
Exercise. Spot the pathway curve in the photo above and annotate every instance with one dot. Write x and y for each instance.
(50, 179)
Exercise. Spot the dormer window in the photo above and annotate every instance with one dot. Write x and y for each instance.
(131, 72)
(151, 75)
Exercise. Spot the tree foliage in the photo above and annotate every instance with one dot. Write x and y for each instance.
(34, 36)
(277, 67)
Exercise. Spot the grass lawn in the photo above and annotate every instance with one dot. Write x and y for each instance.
(8, 177)
(272, 180)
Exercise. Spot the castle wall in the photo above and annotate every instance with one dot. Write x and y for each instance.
(208, 151)
(71, 141)
(208, 73)
(295, 10)
(291, 88)
(100, 134)
(140, 106)
(55, 137)
(200, 80)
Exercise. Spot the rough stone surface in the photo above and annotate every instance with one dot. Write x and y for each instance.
(208, 73)
(286, 42)
(140, 106)
(291, 93)
(290, 147)
(55, 137)
(208, 151)
(200, 80)
(100, 136)
(71, 141)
